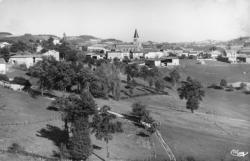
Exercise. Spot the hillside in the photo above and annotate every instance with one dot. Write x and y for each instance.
(26, 38)
(4, 34)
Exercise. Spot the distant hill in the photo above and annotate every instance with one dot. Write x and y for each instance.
(240, 40)
(26, 38)
(111, 40)
(4, 34)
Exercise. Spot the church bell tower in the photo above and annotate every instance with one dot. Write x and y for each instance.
(137, 40)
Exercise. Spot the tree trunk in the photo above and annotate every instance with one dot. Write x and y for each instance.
(192, 110)
(107, 150)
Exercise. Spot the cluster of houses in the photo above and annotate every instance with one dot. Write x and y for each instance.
(132, 51)
(26, 59)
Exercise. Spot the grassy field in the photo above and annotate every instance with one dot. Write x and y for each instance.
(222, 122)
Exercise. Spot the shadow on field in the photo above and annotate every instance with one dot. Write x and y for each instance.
(54, 134)
(142, 134)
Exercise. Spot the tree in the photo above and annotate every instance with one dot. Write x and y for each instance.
(132, 70)
(104, 125)
(76, 111)
(223, 83)
(5, 54)
(80, 147)
(109, 75)
(160, 84)
(192, 91)
(45, 71)
(175, 76)
(140, 111)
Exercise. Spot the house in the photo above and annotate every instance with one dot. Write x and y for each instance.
(97, 48)
(162, 62)
(170, 61)
(244, 55)
(56, 41)
(29, 59)
(119, 55)
(231, 55)
(215, 53)
(3, 67)
(4, 44)
(53, 53)
(136, 55)
(95, 55)
(154, 55)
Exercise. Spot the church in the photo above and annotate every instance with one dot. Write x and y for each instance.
(135, 46)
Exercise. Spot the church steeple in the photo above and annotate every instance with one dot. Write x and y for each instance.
(137, 42)
(136, 34)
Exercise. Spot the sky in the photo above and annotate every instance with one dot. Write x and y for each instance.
(155, 20)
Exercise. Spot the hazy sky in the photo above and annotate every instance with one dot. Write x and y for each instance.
(156, 20)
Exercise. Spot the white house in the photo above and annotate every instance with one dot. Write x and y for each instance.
(97, 49)
(56, 41)
(53, 53)
(95, 56)
(119, 55)
(162, 62)
(28, 60)
(137, 55)
(4, 44)
(231, 55)
(215, 53)
(170, 61)
(153, 55)
(3, 67)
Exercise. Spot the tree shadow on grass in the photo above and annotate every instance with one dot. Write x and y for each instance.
(142, 134)
(55, 134)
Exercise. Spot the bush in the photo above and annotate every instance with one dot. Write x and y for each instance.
(215, 86)
(97, 89)
(230, 88)
(15, 148)
(160, 84)
(4, 77)
(21, 81)
(242, 85)
(223, 83)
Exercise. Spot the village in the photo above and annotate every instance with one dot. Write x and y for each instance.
(132, 80)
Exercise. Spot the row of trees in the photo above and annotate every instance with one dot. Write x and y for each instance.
(152, 75)
(81, 118)
(67, 76)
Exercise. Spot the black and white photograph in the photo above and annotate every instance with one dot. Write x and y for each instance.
(124, 80)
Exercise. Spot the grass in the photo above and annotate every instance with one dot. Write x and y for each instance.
(220, 124)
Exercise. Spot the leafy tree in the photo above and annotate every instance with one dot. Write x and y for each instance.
(63, 75)
(5, 54)
(108, 74)
(82, 76)
(140, 111)
(104, 125)
(76, 111)
(242, 85)
(193, 92)
(132, 70)
(160, 84)
(19, 46)
(144, 71)
(223, 83)
(80, 146)
(175, 76)
(44, 70)
(4, 77)
(22, 81)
